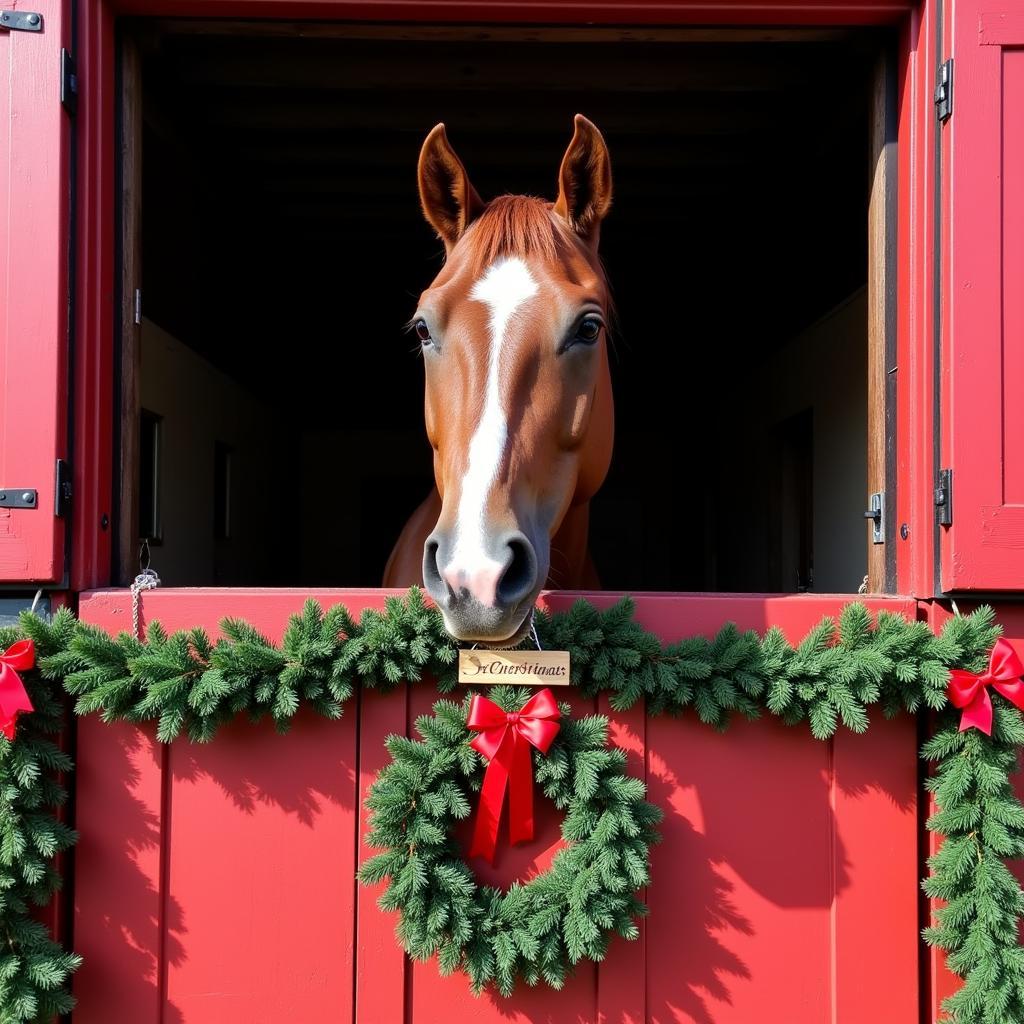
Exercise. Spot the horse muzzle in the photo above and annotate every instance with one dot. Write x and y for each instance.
(484, 596)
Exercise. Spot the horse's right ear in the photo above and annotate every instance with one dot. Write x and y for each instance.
(449, 201)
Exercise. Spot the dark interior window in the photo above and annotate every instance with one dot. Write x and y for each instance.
(283, 251)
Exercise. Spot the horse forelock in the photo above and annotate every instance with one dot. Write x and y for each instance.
(521, 226)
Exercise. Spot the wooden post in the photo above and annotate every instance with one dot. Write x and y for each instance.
(131, 282)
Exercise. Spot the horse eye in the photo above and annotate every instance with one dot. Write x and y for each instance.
(422, 331)
(589, 330)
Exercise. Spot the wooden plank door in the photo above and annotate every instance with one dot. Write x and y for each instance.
(216, 883)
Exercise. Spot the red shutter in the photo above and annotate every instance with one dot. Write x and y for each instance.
(983, 297)
(34, 215)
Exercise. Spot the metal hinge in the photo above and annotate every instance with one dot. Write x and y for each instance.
(62, 501)
(944, 91)
(68, 82)
(876, 513)
(21, 21)
(18, 497)
(944, 498)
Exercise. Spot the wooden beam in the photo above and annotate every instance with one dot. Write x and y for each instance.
(459, 69)
(272, 29)
(127, 533)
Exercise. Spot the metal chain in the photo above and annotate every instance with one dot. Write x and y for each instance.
(533, 631)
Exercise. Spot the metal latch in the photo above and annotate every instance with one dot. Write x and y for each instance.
(21, 21)
(62, 490)
(876, 513)
(944, 91)
(944, 498)
(18, 497)
(68, 82)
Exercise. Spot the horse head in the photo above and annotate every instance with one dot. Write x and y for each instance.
(518, 395)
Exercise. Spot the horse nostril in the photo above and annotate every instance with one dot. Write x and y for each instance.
(432, 578)
(520, 575)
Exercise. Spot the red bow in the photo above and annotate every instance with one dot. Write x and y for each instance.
(505, 741)
(13, 698)
(970, 691)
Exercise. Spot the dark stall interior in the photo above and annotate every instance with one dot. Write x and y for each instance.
(283, 250)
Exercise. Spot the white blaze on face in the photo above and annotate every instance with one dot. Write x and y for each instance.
(504, 288)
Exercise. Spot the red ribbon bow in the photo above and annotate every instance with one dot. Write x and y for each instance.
(13, 698)
(505, 741)
(970, 691)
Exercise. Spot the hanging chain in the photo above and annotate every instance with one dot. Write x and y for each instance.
(533, 631)
(146, 580)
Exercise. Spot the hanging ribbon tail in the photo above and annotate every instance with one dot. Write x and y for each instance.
(13, 696)
(505, 741)
(488, 813)
(520, 800)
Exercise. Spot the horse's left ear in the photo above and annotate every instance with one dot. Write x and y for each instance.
(585, 181)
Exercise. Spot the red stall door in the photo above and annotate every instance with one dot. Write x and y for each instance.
(34, 215)
(983, 297)
(214, 884)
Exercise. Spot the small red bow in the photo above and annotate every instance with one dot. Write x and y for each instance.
(13, 698)
(505, 741)
(970, 691)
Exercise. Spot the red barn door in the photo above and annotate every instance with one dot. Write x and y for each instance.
(34, 218)
(983, 297)
(215, 883)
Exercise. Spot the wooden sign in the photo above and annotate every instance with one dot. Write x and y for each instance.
(530, 668)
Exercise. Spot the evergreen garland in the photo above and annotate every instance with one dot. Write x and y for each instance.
(189, 685)
(33, 968)
(534, 931)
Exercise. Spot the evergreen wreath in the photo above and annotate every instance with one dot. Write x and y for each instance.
(189, 685)
(535, 931)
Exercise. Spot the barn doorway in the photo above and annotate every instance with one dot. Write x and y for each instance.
(272, 425)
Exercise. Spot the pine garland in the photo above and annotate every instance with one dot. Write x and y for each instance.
(190, 685)
(535, 931)
(33, 968)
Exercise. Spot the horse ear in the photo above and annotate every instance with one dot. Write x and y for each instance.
(449, 201)
(585, 181)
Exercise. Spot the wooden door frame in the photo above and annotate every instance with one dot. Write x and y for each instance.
(881, 272)
(128, 360)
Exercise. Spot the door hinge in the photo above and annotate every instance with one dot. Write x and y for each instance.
(21, 21)
(944, 498)
(68, 82)
(18, 497)
(944, 91)
(876, 513)
(62, 501)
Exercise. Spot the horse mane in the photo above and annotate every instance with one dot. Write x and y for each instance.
(517, 226)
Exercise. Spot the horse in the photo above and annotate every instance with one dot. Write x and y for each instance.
(518, 397)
